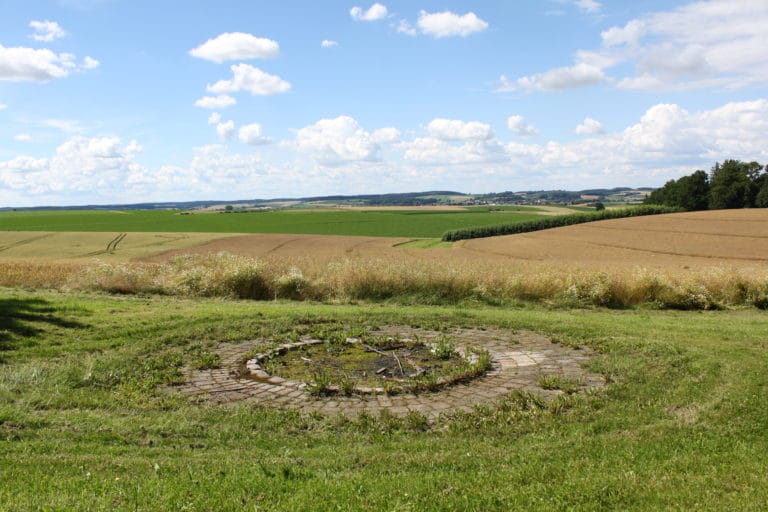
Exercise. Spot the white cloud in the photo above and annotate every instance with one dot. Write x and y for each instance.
(448, 24)
(46, 31)
(375, 12)
(216, 102)
(518, 126)
(252, 134)
(93, 166)
(29, 64)
(667, 139)
(90, 63)
(454, 129)
(590, 127)
(225, 130)
(214, 118)
(385, 135)
(22, 137)
(703, 44)
(251, 79)
(336, 141)
(630, 34)
(578, 75)
(434, 151)
(3, 106)
(327, 43)
(236, 46)
(404, 27)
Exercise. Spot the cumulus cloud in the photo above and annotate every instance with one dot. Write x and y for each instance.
(454, 142)
(29, 64)
(90, 63)
(93, 165)
(18, 64)
(216, 102)
(448, 24)
(578, 75)
(336, 141)
(46, 31)
(375, 12)
(630, 34)
(236, 46)
(214, 118)
(590, 127)
(385, 135)
(704, 44)
(248, 78)
(252, 134)
(434, 151)
(327, 43)
(225, 130)
(518, 126)
(404, 27)
(454, 129)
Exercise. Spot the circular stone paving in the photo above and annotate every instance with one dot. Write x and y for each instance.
(521, 360)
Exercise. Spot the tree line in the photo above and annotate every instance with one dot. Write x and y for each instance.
(732, 184)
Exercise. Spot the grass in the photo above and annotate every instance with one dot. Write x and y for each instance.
(416, 223)
(682, 425)
(402, 281)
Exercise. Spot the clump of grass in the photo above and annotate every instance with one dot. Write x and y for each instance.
(444, 348)
(320, 384)
(557, 382)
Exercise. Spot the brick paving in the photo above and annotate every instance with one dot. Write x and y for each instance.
(520, 358)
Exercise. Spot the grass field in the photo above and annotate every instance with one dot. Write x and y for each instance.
(87, 422)
(384, 223)
(84, 425)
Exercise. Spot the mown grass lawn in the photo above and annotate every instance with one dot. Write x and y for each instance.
(682, 425)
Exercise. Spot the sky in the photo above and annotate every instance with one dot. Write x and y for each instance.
(124, 101)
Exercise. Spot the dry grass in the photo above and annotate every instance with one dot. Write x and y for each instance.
(351, 279)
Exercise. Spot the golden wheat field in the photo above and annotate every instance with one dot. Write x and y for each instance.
(686, 241)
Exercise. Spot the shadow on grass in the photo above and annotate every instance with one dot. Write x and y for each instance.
(25, 318)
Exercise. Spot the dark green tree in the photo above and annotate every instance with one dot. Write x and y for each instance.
(692, 192)
(761, 201)
(731, 185)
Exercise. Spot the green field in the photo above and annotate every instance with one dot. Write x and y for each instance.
(417, 224)
(682, 425)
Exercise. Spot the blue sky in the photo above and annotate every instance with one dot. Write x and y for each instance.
(114, 101)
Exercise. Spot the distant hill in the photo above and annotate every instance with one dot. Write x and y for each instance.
(428, 198)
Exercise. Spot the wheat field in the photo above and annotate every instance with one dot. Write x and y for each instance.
(690, 261)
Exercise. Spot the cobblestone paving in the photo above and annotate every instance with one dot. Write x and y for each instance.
(520, 358)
